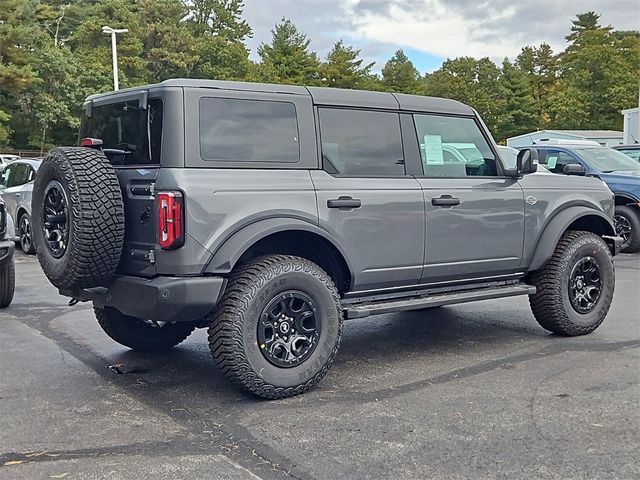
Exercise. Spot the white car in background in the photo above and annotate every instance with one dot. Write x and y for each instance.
(6, 160)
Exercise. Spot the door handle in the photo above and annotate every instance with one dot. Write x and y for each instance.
(445, 201)
(344, 202)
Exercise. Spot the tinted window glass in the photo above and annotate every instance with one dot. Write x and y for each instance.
(453, 147)
(19, 175)
(6, 173)
(357, 142)
(130, 134)
(248, 130)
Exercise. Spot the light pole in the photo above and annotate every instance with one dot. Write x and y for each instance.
(114, 51)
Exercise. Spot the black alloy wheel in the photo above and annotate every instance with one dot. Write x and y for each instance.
(55, 219)
(585, 285)
(288, 332)
(26, 237)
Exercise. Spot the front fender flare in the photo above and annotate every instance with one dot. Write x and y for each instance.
(230, 251)
(556, 227)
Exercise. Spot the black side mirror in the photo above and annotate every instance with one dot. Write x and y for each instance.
(573, 169)
(527, 161)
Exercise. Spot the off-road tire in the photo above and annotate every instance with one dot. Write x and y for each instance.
(7, 283)
(551, 305)
(95, 223)
(633, 217)
(141, 336)
(233, 339)
(29, 249)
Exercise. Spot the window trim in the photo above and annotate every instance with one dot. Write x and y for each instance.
(252, 163)
(316, 113)
(500, 167)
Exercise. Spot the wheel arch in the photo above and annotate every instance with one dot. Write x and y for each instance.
(283, 236)
(621, 199)
(573, 218)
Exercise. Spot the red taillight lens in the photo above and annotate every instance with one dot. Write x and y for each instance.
(91, 142)
(170, 220)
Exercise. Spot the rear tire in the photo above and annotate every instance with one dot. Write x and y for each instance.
(627, 222)
(278, 326)
(7, 283)
(139, 335)
(575, 288)
(25, 231)
(77, 218)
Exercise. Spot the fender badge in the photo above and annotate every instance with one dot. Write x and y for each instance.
(532, 200)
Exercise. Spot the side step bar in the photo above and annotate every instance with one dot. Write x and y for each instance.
(364, 309)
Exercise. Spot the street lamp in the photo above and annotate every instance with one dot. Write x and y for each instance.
(114, 51)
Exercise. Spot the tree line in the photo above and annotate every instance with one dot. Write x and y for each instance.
(53, 54)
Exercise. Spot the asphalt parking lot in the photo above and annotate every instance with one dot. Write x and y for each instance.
(471, 391)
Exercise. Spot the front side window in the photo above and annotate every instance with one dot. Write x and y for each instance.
(361, 143)
(453, 147)
(234, 130)
(631, 153)
(19, 176)
(556, 160)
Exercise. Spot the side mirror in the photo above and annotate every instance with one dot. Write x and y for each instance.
(573, 169)
(527, 161)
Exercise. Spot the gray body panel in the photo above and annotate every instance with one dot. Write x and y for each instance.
(481, 237)
(395, 239)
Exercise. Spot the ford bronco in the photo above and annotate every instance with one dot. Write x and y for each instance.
(270, 213)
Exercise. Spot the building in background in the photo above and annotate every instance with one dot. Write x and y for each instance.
(631, 125)
(606, 138)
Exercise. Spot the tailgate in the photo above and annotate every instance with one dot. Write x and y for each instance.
(140, 221)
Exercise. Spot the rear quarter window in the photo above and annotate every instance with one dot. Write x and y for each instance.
(235, 130)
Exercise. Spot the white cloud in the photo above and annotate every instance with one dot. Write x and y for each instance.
(445, 28)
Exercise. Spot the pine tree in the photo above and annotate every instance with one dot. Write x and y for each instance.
(400, 75)
(343, 68)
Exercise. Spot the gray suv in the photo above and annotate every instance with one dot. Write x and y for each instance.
(270, 213)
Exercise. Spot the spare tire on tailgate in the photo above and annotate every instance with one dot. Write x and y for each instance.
(78, 218)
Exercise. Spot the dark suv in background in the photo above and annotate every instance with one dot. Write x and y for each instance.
(618, 171)
(269, 213)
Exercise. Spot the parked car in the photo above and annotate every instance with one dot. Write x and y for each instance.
(7, 268)
(631, 151)
(6, 160)
(16, 186)
(618, 171)
(268, 213)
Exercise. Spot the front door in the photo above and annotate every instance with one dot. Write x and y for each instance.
(365, 199)
(475, 215)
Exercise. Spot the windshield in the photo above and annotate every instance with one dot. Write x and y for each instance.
(130, 134)
(633, 153)
(607, 160)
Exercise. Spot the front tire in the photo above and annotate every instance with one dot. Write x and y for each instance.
(7, 283)
(26, 234)
(278, 326)
(575, 288)
(627, 222)
(139, 335)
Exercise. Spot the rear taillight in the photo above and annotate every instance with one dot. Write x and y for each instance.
(170, 219)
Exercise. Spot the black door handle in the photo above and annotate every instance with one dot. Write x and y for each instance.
(445, 201)
(344, 202)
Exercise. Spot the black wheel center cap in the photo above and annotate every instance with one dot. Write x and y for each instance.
(285, 327)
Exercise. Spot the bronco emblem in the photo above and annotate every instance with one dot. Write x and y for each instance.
(532, 200)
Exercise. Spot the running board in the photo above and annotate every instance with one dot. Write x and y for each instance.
(364, 309)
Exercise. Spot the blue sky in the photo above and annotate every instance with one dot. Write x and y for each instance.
(430, 31)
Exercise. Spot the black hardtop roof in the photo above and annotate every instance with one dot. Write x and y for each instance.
(319, 95)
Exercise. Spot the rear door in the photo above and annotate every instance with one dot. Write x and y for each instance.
(15, 177)
(365, 198)
(474, 213)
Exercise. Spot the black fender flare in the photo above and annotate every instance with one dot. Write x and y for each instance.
(557, 226)
(229, 252)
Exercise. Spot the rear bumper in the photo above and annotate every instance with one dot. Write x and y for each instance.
(164, 299)
(6, 251)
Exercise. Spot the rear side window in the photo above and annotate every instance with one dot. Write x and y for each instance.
(361, 143)
(236, 130)
(131, 135)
